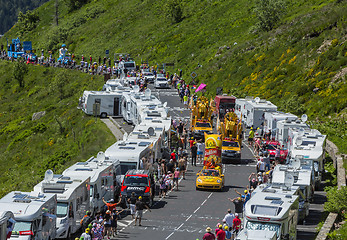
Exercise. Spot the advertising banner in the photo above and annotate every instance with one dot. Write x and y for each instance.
(213, 146)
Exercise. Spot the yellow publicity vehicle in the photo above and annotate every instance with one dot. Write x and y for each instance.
(201, 121)
(211, 179)
(231, 131)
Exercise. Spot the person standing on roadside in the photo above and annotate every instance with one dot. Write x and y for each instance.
(208, 235)
(132, 201)
(220, 234)
(238, 203)
(250, 137)
(236, 224)
(200, 151)
(139, 206)
(194, 151)
(227, 233)
(182, 166)
(229, 217)
(176, 177)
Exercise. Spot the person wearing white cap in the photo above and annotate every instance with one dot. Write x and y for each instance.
(208, 235)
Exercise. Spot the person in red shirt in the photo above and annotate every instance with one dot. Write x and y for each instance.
(173, 156)
(220, 234)
(111, 205)
(208, 235)
(236, 224)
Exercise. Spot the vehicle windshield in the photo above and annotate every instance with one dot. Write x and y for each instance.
(130, 64)
(213, 173)
(230, 144)
(135, 181)
(21, 226)
(125, 166)
(203, 124)
(161, 79)
(264, 226)
(160, 75)
(62, 209)
(271, 147)
(148, 74)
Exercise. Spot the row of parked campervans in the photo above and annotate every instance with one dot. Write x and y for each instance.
(275, 208)
(56, 206)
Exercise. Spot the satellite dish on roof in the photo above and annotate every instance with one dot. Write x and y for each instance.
(257, 99)
(100, 157)
(136, 88)
(296, 163)
(48, 175)
(150, 131)
(148, 92)
(288, 180)
(125, 137)
(304, 117)
(298, 141)
(301, 132)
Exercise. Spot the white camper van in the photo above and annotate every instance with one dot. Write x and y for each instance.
(103, 103)
(284, 125)
(129, 154)
(72, 200)
(113, 85)
(102, 179)
(271, 119)
(7, 223)
(309, 144)
(240, 107)
(270, 216)
(34, 213)
(255, 110)
(304, 204)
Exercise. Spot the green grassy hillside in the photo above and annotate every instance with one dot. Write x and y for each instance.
(300, 64)
(61, 137)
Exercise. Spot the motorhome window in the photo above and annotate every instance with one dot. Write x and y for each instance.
(264, 226)
(306, 143)
(230, 144)
(316, 166)
(158, 129)
(97, 100)
(62, 209)
(124, 167)
(135, 181)
(21, 226)
(129, 65)
(203, 124)
(265, 210)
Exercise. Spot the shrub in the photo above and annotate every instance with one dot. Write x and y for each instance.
(269, 13)
(19, 71)
(337, 200)
(174, 10)
(27, 22)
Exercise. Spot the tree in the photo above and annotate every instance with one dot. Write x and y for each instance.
(28, 21)
(174, 10)
(57, 86)
(73, 5)
(19, 71)
(269, 13)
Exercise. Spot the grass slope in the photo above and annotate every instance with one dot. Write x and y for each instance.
(300, 65)
(61, 137)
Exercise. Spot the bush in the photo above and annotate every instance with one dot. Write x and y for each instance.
(337, 200)
(269, 13)
(73, 5)
(174, 10)
(19, 71)
(27, 22)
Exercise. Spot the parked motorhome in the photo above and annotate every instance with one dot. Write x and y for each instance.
(129, 153)
(34, 213)
(102, 103)
(7, 223)
(114, 84)
(240, 107)
(271, 119)
(102, 179)
(72, 200)
(255, 110)
(283, 189)
(266, 214)
(284, 125)
(309, 144)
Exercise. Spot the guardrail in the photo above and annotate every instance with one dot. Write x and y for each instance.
(333, 152)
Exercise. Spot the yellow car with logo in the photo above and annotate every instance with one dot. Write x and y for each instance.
(231, 152)
(210, 179)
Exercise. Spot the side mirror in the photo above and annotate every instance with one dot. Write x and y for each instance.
(222, 175)
(197, 174)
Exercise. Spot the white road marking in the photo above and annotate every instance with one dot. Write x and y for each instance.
(196, 209)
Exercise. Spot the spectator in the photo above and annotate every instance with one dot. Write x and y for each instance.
(139, 206)
(110, 204)
(238, 202)
(250, 137)
(176, 177)
(208, 235)
(194, 150)
(227, 233)
(85, 235)
(200, 151)
(229, 217)
(253, 182)
(220, 234)
(132, 201)
(236, 224)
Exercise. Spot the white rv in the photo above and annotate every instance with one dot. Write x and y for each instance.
(302, 178)
(102, 179)
(34, 213)
(72, 200)
(133, 103)
(270, 216)
(240, 107)
(102, 103)
(7, 223)
(304, 204)
(129, 154)
(284, 125)
(271, 119)
(255, 110)
(113, 84)
(309, 144)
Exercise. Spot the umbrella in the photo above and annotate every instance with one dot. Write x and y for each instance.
(201, 87)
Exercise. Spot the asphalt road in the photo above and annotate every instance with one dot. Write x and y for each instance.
(185, 214)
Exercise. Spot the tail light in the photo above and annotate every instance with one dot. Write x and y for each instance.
(26, 233)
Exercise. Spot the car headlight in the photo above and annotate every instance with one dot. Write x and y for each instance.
(224, 151)
(199, 180)
(63, 221)
(238, 152)
(218, 181)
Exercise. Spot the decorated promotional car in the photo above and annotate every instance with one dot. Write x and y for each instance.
(271, 147)
(210, 179)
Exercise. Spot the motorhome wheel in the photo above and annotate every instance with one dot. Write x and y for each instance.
(103, 115)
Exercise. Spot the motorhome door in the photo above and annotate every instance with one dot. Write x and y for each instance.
(116, 107)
